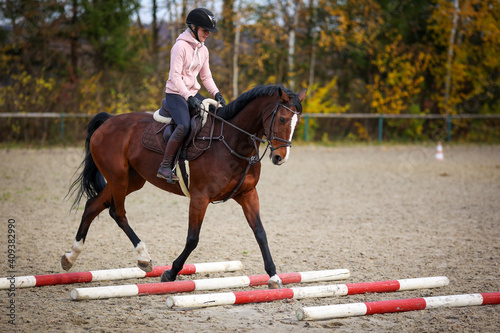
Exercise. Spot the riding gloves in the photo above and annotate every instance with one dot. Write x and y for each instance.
(220, 99)
(193, 102)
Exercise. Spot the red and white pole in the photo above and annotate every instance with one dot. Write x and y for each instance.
(114, 274)
(400, 305)
(204, 284)
(268, 295)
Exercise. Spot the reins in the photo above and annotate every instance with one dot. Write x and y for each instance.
(254, 159)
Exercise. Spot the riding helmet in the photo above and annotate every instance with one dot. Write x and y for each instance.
(202, 17)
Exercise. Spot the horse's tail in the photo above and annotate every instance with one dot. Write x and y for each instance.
(90, 182)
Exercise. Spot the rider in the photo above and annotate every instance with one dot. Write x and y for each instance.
(188, 58)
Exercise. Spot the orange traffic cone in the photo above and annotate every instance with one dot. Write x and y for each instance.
(439, 152)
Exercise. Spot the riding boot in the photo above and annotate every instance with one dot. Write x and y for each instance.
(173, 144)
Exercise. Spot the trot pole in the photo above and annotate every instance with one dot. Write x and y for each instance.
(114, 274)
(204, 284)
(400, 305)
(268, 295)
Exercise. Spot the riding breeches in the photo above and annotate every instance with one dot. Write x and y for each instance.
(178, 108)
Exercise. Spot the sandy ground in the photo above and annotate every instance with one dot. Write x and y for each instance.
(382, 212)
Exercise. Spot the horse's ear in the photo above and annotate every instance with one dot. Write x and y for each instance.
(283, 96)
(302, 94)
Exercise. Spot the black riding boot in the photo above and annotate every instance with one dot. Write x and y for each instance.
(173, 144)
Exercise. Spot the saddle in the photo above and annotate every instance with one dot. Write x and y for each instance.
(158, 132)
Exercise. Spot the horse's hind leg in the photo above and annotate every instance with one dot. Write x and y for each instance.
(117, 212)
(93, 207)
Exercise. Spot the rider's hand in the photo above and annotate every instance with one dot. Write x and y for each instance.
(220, 99)
(193, 102)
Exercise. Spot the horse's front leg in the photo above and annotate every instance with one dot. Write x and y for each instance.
(249, 201)
(197, 209)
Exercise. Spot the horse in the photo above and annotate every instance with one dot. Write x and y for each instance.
(116, 164)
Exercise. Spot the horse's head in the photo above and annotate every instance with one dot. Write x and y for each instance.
(282, 122)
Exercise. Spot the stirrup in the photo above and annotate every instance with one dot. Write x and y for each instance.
(171, 179)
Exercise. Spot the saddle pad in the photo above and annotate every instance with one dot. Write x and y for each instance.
(152, 138)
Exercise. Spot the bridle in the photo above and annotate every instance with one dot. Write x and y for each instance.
(254, 159)
(270, 136)
(270, 133)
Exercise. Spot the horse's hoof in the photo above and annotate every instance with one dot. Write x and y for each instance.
(146, 266)
(167, 276)
(275, 282)
(66, 265)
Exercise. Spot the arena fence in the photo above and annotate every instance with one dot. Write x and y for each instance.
(448, 119)
(62, 118)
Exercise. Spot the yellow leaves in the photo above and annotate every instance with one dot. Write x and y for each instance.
(89, 94)
(27, 94)
(151, 93)
(324, 99)
(25, 79)
(117, 103)
(362, 131)
(354, 22)
(43, 84)
(332, 40)
(399, 79)
(476, 49)
(93, 100)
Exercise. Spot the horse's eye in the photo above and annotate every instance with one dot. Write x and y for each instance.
(282, 120)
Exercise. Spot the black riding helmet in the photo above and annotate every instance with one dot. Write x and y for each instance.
(201, 17)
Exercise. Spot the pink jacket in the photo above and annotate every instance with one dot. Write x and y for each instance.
(188, 58)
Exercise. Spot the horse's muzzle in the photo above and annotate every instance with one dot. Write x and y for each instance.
(277, 159)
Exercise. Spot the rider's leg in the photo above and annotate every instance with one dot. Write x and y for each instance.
(178, 108)
(175, 141)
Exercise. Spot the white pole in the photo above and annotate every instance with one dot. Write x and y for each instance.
(203, 284)
(400, 305)
(114, 274)
(268, 295)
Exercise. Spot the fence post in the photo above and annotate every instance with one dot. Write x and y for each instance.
(306, 128)
(380, 127)
(448, 128)
(62, 126)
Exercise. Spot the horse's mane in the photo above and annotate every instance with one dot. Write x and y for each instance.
(233, 108)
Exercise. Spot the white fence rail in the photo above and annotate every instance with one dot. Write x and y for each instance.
(306, 116)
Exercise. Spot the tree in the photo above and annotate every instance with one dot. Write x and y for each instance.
(450, 54)
(155, 47)
(263, 48)
(236, 51)
(291, 11)
(313, 35)
(471, 63)
(106, 25)
(399, 78)
(227, 32)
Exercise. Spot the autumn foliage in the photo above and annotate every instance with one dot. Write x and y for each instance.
(356, 56)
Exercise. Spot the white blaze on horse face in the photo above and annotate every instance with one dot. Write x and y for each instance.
(293, 123)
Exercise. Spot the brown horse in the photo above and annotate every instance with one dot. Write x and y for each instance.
(116, 164)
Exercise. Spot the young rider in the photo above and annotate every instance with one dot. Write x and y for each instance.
(188, 58)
